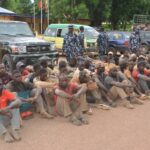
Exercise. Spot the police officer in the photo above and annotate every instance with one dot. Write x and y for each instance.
(81, 37)
(102, 43)
(135, 40)
(71, 45)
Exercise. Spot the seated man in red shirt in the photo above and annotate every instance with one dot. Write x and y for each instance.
(141, 75)
(71, 100)
(9, 114)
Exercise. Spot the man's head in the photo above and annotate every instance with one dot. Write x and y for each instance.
(123, 65)
(141, 66)
(141, 58)
(44, 63)
(100, 68)
(17, 76)
(20, 66)
(110, 55)
(81, 65)
(2, 69)
(131, 65)
(70, 28)
(36, 68)
(81, 28)
(43, 74)
(63, 81)
(83, 77)
(113, 72)
(62, 66)
(1, 85)
(106, 59)
(133, 57)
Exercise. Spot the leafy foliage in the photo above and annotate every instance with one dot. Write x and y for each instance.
(118, 12)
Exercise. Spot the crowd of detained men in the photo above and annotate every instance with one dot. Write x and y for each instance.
(73, 88)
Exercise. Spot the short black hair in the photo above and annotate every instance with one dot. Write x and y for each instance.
(62, 64)
(141, 63)
(123, 65)
(36, 66)
(44, 62)
(81, 28)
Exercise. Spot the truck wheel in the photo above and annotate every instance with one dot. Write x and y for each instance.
(8, 62)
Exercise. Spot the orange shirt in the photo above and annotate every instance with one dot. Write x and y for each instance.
(127, 73)
(5, 98)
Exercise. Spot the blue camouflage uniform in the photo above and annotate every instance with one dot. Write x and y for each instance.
(71, 46)
(102, 43)
(81, 39)
(134, 42)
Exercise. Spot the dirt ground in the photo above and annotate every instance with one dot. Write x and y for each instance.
(117, 129)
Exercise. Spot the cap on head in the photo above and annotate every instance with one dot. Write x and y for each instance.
(70, 26)
(19, 65)
(110, 53)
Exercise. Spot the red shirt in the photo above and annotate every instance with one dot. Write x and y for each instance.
(135, 74)
(25, 72)
(5, 98)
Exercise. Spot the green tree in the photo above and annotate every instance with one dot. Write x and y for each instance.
(68, 10)
(99, 11)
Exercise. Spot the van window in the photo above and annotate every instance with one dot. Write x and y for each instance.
(50, 32)
(59, 32)
(64, 32)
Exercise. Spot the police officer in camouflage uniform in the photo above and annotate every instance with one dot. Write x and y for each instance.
(102, 43)
(71, 45)
(135, 41)
(81, 37)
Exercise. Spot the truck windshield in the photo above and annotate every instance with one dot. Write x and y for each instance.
(91, 33)
(15, 29)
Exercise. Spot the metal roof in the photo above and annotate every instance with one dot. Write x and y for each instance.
(4, 11)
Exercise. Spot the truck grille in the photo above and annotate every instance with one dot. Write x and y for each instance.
(38, 49)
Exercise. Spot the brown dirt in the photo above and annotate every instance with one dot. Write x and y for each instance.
(117, 129)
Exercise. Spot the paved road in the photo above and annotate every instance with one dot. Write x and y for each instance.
(117, 129)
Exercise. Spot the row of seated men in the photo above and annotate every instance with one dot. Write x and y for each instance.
(70, 92)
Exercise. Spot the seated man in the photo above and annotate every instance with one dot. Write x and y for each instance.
(46, 83)
(71, 100)
(44, 64)
(9, 115)
(99, 79)
(93, 90)
(81, 67)
(22, 68)
(63, 68)
(35, 73)
(141, 75)
(18, 86)
(116, 89)
(108, 65)
(4, 75)
(130, 91)
(93, 93)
